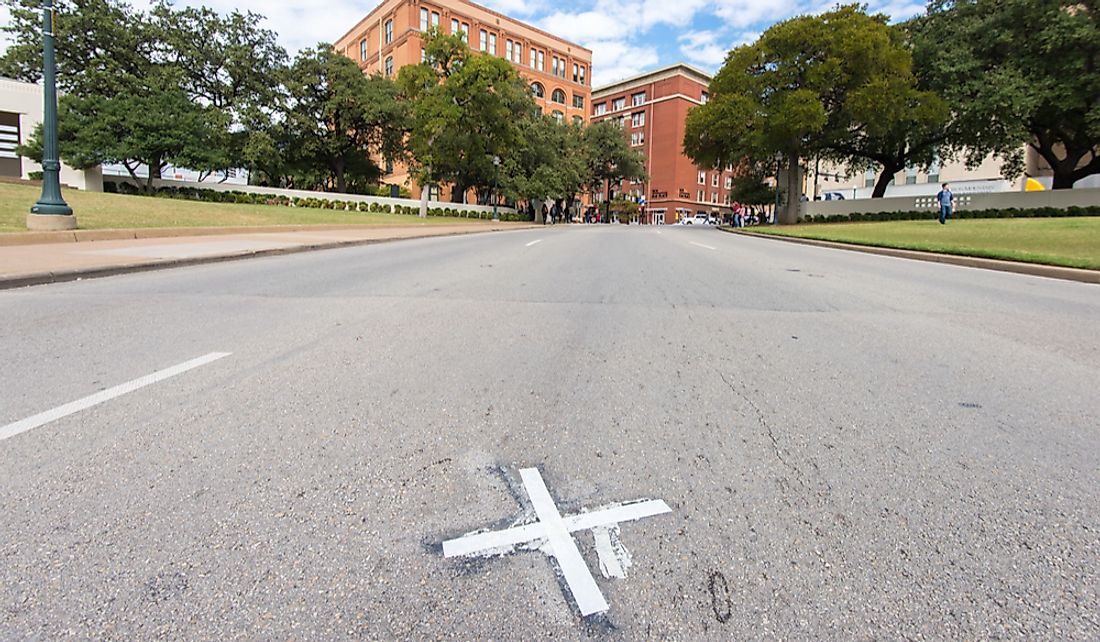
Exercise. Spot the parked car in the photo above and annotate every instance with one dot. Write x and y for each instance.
(699, 219)
(834, 196)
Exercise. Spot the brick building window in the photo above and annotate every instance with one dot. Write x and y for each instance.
(493, 44)
(389, 31)
(714, 180)
(435, 19)
(389, 66)
(484, 42)
(508, 49)
(534, 54)
(517, 56)
(578, 101)
(465, 33)
(423, 19)
(558, 96)
(576, 72)
(601, 109)
(454, 27)
(537, 91)
(638, 119)
(702, 178)
(363, 49)
(558, 116)
(618, 104)
(729, 182)
(638, 99)
(554, 67)
(701, 196)
(582, 75)
(542, 61)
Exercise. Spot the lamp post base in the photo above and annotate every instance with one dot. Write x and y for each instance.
(44, 222)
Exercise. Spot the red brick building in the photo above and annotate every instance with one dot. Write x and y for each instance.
(652, 110)
(390, 37)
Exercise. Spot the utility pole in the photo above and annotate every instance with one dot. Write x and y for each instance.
(51, 212)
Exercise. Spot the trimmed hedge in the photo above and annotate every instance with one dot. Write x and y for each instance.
(920, 215)
(247, 198)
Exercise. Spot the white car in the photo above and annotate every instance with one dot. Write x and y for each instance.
(699, 219)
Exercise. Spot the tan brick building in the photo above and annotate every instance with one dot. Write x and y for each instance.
(652, 110)
(391, 36)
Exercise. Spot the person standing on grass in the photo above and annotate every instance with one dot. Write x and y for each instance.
(946, 202)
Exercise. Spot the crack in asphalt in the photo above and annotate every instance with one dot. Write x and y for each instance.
(743, 395)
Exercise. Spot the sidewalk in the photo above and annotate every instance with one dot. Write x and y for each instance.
(32, 259)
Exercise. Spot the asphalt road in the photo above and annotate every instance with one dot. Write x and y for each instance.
(851, 446)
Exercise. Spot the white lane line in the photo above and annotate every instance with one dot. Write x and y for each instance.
(534, 243)
(30, 423)
(483, 542)
(581, 583)
(703, 246)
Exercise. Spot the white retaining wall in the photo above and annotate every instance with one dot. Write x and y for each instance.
(1060, 199)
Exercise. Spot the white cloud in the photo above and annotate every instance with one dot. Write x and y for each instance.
(614, 60)
(702, 48)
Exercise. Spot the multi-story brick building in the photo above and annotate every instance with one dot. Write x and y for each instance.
(652, 110)
(391, 36)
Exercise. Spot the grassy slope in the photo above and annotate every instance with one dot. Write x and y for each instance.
(103, 211)
(1070, 242)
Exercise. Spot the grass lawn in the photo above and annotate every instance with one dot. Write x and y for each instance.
(107, 211)
(1069, 242)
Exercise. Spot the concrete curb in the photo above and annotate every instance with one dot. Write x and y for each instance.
(43, 278)
(11, 239)
(1032, 269)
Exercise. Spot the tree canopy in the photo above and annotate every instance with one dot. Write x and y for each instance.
(467, 108)
(1018, 72)
(839, 85)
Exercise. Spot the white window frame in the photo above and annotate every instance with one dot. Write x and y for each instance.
(423, 19)
(483, 40)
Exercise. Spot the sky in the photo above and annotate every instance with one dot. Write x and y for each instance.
(627, 37)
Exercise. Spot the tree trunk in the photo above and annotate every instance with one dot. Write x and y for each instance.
(154, 174)
(789, 214)
(536, 204)
(885, 177)
(341, 185)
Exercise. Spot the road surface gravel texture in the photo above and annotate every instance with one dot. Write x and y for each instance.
(853, 447)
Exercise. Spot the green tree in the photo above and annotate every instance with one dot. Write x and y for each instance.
(467, 109)
(228, 62)
(114, 59)
(548, 166)
(609, 159)
(338, 119)
(839, 85)
(1018, 72)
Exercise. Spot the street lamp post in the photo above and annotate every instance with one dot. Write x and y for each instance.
(496, 182)
(51, 212)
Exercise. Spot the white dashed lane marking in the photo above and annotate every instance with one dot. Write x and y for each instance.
(43, 418)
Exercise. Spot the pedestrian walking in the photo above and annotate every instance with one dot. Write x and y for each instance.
(946, 201)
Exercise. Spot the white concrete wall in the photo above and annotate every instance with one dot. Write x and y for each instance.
(978, 201)
(332, 196)
(27, 100)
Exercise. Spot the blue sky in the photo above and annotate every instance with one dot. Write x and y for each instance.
(626, 36)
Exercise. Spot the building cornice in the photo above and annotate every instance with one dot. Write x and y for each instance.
(679, 69)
